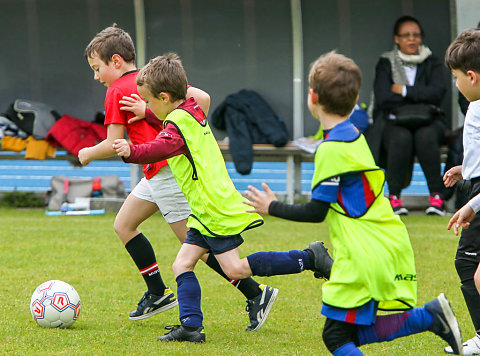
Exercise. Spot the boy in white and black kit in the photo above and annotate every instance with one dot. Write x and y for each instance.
(463, 58)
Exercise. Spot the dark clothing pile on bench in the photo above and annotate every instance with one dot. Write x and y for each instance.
(248, 119)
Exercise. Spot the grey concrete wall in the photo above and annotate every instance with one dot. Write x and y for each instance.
(226, 45)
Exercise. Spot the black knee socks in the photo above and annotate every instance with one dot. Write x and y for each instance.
(143, 255)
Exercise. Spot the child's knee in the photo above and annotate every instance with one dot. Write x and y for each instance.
(181, 265)
(124, 234)
(119, 226)
(237, 270)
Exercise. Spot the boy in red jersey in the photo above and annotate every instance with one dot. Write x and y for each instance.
(111, 55)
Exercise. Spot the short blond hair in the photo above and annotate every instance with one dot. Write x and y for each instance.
(164, 74)
(336, 80)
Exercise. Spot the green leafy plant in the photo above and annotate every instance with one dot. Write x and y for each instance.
(17, 199)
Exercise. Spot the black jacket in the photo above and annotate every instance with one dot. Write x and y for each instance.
(430, 87)
(248, 119)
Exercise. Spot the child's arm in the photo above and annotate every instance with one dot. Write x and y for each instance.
(266, 203)
(136, 105)
(167, 144)
(463, 216)
(260, 201)
(104, 149)
(452, 176)
(201, 97)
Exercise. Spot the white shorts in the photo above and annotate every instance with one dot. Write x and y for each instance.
(163, 190)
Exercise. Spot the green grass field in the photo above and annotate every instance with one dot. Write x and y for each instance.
(85, 252)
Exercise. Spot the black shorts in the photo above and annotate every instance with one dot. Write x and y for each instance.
(215, 245)
(469, 243)
(338, 333)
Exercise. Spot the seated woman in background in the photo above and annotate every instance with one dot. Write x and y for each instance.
(407, 78)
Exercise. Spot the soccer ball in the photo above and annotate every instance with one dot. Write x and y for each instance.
(55, 304)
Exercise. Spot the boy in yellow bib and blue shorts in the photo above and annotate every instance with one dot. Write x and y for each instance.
(374, 266)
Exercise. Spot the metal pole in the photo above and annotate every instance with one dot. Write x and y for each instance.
(297, 41)
(140, 32)
(141, 49)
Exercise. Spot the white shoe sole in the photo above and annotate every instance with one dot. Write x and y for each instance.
(267, 309)
(452, 321)
(155, 312)
(449, 350)
(435, 211)
(402, 211)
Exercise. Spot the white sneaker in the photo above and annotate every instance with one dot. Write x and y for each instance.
(471, 347)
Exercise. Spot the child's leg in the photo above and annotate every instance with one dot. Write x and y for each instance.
(189, 297)
(436, 316)
(315, 257)
(392, 326)
(175, 209)
(188, 288)
(467, 265)
(132, 213)
(467, 270)
(340, 338)
(476, 278)
(247, 286)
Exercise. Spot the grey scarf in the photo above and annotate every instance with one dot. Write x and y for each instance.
(398, 60)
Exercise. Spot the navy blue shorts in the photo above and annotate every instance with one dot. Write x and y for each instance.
(215, 245)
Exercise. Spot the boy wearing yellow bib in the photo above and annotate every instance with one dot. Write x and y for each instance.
(218, 214)
(374, 265)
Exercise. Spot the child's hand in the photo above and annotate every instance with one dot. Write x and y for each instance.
(83, 156)
(134, 104)
(461, 218)
(452, 176)
(122, 147)
(260, 201)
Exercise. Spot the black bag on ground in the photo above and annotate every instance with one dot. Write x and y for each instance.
(415, 115)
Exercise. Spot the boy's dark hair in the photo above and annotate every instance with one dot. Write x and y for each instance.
(464, 52)
(336, 79)
(403, 19)
(164, 74)
(110, 41)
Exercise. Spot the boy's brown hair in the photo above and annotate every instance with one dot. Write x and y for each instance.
(464, 52)
(164, 74)
(336, 79)
(110, 41)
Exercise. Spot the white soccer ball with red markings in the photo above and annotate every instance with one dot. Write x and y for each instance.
(55, 304)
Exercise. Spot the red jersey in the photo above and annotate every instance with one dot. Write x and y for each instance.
(139, 131)
(168, 143)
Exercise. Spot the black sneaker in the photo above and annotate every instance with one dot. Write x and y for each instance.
(181, 333)
(321, 261)
(259, 307)
(152, 304)
(444, 323)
